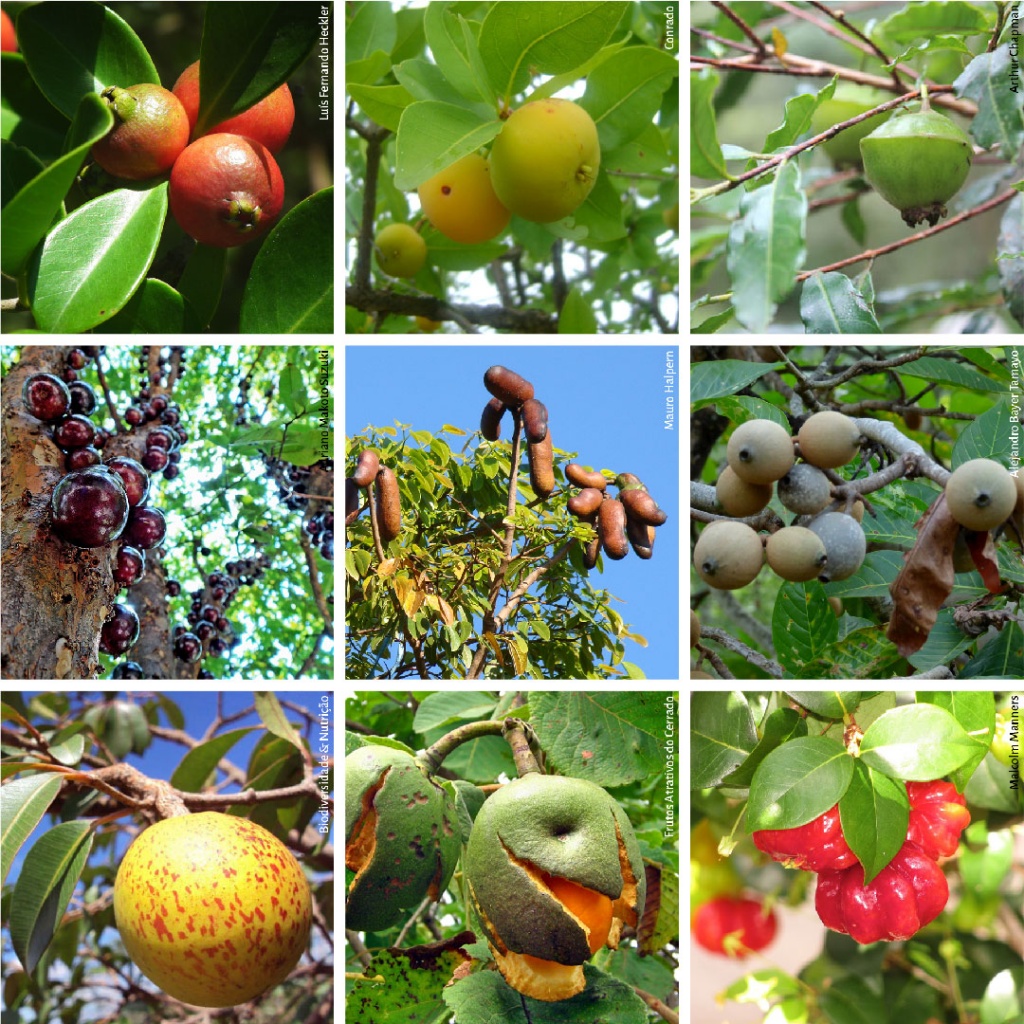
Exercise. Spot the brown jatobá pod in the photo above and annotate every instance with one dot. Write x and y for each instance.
(585, 503)
(611, 528)
(351, 500)
(577, 475)
(366, 467)
(640, 536)
(490, 419)
(542, 467)
(507, 386)
(640, 505)
(389, 505)
(535, 420)
(624, 480)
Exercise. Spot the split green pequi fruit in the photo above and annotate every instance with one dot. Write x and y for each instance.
(554, 871)
(917, 162)
(402, 836)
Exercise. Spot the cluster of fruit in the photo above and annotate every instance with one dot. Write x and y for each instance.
(225, 186)
(386, 497)
(292, 482)
(542, 167)
(552, 865)
(980, 494)
(209, 632)
(321, 530)
(97, 503)
(908, 893)
(723, 919)
(630, 518)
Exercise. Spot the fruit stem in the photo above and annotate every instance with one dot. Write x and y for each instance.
(517, 734)
(926, 103)
(434, 755)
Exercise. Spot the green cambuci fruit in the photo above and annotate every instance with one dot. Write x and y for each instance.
(402, 836)
(848, 101)
(917, 162)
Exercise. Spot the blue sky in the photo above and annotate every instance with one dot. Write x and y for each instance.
(606, 403)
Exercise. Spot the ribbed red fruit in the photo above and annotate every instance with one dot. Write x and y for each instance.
(817, 846)
(226, 190)
(908, 893)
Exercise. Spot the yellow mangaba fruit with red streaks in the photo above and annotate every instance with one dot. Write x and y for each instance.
(212, 908)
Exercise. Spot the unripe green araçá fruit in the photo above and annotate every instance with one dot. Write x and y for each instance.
(738, 498)
(980, 494)
(845, 545)
(697, 674)
(760, 451)
(728, 555)
(848, 101)
(402, 836)
(805, 489)
(460, 202)
(796, 554)
(545, 160)
(149, 134)
(401, 251)
(212, 908)
(828, 439)
(554, 871)
(916, 162)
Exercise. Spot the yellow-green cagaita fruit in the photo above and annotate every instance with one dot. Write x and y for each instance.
(554, 871)
(401, 250)
(402, 836)
(545, 160)
(848, 101)
(212, 908)
(917, 162)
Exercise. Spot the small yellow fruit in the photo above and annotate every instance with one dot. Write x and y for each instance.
(460, 202)
(401, 251)
(427, 325)
(545, 161)
(212, 908)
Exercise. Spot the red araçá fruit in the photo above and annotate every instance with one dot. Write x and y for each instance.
(817, 846)
(150, 131)
(269, 122)
(226, 190)
(938, 814)
(8, 38)
(734, 926)
(908, 893)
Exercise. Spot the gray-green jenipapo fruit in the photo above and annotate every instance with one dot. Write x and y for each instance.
(554, 871)
(402, 836)
(917, 162)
